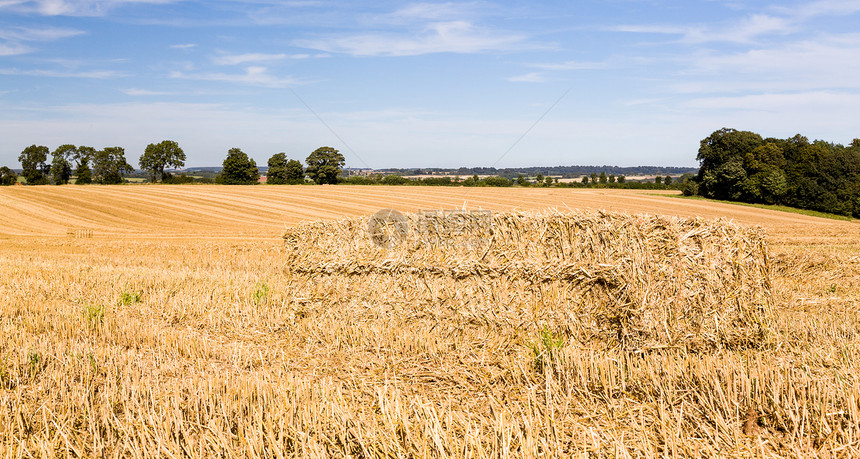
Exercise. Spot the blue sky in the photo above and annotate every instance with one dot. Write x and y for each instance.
(412, 84)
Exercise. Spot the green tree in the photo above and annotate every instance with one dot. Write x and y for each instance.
(61, 168)
(602, 178)
(295, 172)
(238, 169)
(548, 181)
(7, 176)
(277, 173)
(324, 165)
(33, 162)
(157, 157)
(83, 174)
(521, 180)
(593, 177)
(622, 179)
(539, 180)
(496, 180)
(721, 157)
(585, 179)
(668, 180)
(658, 180)
(109, 166)
(394, 180)
(611, 178)
(690, 188)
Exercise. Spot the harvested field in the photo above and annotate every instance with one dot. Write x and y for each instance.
(172, 321)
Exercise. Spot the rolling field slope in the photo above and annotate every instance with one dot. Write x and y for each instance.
(262, 211)
(181, 328)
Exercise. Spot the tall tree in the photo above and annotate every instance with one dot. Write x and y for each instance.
(277, 173)
(721, 156)
(33, 162)
(109, 166)
(238, 169)
(324, 165)
(61, 168)
(158, 156)
(83, 174)
(7, 176)
(295, 172)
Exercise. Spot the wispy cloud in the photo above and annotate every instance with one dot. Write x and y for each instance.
(184, 46)
(13, 39)
(531, 77)
(237, 59)
(146, 92)
(822, 8)
(549, 68)
(778, 102)
(41, 34)
(93, 74)
(572, 65)
(441, 37)
(71, 7)
(254, 76)
(745, 30)
(798, 66)
(13, 49)
(422, 12)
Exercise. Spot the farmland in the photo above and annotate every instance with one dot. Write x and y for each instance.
(165, 320)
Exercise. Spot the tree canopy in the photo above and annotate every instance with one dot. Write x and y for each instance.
(743, 166)
(158, 156)
(83, 174)
(324, 165)
(7, 176)
(34, 164)
(109, 166)
(277, 173)
(61, 168)
(238, 169)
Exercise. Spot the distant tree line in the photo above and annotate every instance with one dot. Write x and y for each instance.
(555, 171)
(743, 166)
(603, 180)
(84, 165)
(88, 165)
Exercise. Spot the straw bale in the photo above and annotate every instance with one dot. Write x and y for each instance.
(639, 281)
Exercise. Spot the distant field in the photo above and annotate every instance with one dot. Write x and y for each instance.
(142, 321)
(262, 211)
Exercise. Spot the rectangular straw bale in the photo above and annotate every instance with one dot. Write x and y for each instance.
(639, 281)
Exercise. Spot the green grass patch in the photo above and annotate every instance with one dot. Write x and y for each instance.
(793, 210)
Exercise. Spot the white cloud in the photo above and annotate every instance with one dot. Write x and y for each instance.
(12, 49)
(532, 77)
(820, 101)
(254, 76)
(433, 12)
(146, 92)
(40, 34)
(572, 65)
(245, 58)
(94, 74)
(12, 39)
(439, 37)
(236, 59)
(184, 46)
(826, 62)
(72, 7)
(746, 30)
(822, 8)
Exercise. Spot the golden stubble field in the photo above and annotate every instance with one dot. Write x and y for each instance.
(178, 330)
